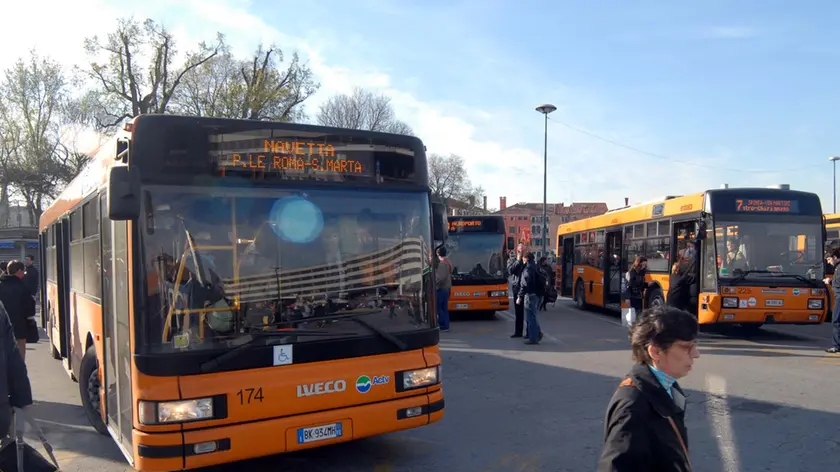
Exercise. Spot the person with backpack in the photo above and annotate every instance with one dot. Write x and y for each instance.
(531, 291)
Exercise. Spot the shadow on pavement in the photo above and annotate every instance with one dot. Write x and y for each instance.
(527, 416)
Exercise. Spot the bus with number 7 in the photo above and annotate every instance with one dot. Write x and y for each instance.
(228, 289)
(751, 256)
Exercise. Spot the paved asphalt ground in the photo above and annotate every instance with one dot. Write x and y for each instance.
(764, 403)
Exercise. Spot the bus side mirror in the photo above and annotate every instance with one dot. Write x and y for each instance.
(123, 194)
(510, 243)
(440, 227)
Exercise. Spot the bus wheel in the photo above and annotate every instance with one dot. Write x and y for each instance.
(89, 390)
(580, 296)
(654, 299)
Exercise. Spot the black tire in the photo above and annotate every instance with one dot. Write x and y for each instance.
(580, 295)
(89, 390)
(654, 298)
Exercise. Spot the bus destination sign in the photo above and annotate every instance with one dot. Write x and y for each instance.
(466, 225)
(294, 157)
(744, 205)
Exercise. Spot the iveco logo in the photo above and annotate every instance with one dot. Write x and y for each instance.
(321, 388)
(462, 294)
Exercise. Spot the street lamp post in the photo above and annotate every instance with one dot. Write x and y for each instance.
(545, 110)
(834, 160)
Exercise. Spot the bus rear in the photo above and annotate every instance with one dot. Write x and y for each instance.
(476, 249)
(281, 290)
(762, 258)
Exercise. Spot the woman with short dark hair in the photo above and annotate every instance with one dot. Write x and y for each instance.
(645, 420)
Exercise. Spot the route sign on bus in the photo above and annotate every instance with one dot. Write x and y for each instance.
(745, 205)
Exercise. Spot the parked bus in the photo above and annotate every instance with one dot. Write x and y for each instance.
(832, 240)
(477, 250)
(756, 254)
(228, 289)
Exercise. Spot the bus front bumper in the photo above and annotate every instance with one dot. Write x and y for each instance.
(741, 316)
(234, 442)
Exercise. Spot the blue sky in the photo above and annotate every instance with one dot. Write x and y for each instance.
(745, 91)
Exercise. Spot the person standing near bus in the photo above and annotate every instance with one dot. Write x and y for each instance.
(514, 270)
(636, 284)
(443, 284)
(531, 290)
(15, 389)
(645, 427)
(833, 258)
(18, 302)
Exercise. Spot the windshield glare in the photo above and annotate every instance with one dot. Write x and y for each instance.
(475, 255)
(777, 248)
(247, 261)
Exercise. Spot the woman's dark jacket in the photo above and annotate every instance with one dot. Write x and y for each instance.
(18, 302)
(636, 285)
(15, 389)
(638, 434)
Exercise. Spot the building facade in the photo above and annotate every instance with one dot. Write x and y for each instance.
(523, 221)
(18, 234)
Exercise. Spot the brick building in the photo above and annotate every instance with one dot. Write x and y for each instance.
(523, 220)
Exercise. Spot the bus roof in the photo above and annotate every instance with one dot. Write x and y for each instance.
(95, 174)
(718, 200)
(832, 220)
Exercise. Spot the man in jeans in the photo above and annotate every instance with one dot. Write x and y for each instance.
(530, 294)
(443, 285)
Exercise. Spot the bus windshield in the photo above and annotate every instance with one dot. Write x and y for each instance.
(226, 263)
(476, 256)
(768, 249)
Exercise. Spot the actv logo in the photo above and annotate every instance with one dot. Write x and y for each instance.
(321, 388)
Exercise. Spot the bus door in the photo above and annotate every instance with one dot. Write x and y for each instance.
(686, 251)
(612, 267)
(62, 279)
(119, 409)
(568, 267)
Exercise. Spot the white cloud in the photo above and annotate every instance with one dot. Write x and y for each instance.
(502, 154)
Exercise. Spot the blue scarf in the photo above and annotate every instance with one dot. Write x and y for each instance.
(664, 379)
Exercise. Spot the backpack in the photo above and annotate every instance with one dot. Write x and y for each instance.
(541, 283)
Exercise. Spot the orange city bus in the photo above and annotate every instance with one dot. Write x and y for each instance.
(476, 249)
(227, 289)
(755, 253)
(832, 239)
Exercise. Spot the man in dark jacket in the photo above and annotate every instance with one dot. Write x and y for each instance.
(645, 421)
(833, 258)
(514, 270)
(531, 292)
(18, 302)
(31, 277)
(15, 390)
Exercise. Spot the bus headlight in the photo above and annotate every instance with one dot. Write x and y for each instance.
(499, 293)
(730, 302)
(419, 378)
(176, 411)
(815, 303)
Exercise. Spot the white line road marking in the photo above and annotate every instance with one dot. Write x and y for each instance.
(718, 410)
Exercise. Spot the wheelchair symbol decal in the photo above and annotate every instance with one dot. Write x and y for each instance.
(283, 354)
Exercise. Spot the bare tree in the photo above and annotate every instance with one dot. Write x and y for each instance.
(448, 179)
(125, 87)
(32, 100)
(254, 89)
(362, 110)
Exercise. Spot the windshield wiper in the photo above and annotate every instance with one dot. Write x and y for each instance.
(775, 274)
(212, 364)
(747, 272)
(358, 317)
